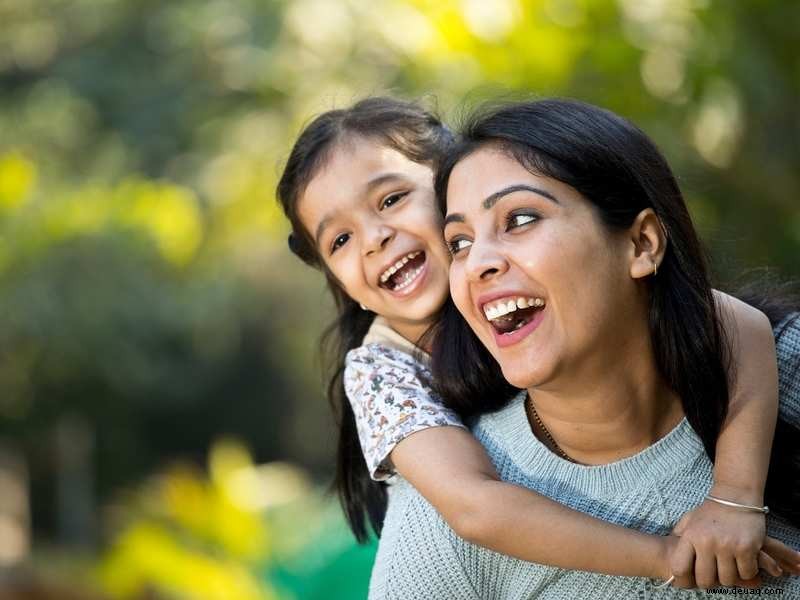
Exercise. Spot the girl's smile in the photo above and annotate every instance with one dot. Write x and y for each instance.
(374, 219)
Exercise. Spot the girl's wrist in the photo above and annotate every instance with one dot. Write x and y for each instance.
(737, 493)
(658, 565)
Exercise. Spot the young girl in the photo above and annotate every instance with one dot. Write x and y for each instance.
(357, 189)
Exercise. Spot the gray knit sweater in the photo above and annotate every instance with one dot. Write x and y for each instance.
(420, 557)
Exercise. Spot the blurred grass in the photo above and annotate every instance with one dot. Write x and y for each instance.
(244, 532)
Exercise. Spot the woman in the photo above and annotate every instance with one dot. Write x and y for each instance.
(573, 205)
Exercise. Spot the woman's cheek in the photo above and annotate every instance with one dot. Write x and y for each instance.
(458, 288)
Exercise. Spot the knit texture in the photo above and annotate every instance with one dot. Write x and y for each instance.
(420, 557)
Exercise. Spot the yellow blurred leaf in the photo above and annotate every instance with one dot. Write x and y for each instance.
(17, 180)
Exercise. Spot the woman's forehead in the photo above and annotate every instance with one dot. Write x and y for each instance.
(483, 173)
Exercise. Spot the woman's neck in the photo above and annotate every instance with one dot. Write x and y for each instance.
(625, 407)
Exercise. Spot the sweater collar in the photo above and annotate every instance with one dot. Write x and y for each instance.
(509, 429)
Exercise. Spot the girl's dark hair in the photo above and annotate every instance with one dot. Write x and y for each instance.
(617, 168)
(419, 136)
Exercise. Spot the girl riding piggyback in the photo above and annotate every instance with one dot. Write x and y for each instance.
(358, 192)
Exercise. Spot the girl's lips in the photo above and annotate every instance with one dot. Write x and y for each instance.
(503, 340)
(412, 287)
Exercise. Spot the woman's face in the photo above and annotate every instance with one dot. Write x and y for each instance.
(373, 216)
(542, 282)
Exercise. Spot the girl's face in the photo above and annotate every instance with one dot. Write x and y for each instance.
(542, 282)
(373, 216)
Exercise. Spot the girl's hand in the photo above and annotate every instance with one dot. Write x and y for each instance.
(718, 545)
(723, 545)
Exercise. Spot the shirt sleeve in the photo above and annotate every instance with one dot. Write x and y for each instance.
(787, 347)
(390, 400)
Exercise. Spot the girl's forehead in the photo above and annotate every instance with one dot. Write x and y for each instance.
(359, 158)
(353, 172)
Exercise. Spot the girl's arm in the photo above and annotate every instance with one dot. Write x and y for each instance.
(451, 469)
(404, 427)
(718, 542)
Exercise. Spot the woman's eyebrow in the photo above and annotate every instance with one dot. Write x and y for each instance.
(491, 200)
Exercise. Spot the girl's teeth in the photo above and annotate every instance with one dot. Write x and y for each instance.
(408, 278)
(398, 265)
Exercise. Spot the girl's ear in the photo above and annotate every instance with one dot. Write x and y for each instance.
(648, 244)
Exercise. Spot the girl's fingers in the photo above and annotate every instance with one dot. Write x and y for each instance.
(788, 558)
(747, 566)
(705, 570)
(766, 562)
(728, 571)
(682, 565)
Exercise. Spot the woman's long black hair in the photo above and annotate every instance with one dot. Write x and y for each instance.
(617, 168)
(419, 136)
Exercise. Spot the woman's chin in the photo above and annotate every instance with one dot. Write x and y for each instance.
(521, 376)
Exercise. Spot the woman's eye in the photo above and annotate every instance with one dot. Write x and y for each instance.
(392, 199)
(457, 245)
(340, 241)
(518, 220)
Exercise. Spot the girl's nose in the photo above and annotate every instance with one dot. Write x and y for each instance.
(484, 262)
(378, 238)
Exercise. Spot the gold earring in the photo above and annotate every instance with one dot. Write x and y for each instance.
(362, 306)
(655, 268)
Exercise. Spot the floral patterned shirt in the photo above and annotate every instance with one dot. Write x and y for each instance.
(391, 397)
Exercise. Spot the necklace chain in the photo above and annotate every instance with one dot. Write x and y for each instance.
(532, 412)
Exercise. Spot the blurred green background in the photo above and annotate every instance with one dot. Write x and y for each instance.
(163, 432)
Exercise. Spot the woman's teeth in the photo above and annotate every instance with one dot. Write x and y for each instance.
(503, 307)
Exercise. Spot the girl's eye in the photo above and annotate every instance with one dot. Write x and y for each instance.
(457, 245)
(392, 199)
(340, 241)
(520, 219)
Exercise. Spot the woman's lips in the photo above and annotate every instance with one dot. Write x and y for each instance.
(503, 340)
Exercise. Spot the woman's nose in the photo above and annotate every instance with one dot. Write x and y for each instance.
(377, 239)
(484, 262)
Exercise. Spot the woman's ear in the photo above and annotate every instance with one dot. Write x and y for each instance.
(648, 244)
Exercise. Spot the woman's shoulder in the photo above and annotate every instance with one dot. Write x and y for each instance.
(787, 337)
(787, 348)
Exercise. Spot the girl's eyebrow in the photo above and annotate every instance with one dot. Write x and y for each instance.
(326, 220)
(381, 179)
(371, 185)
(492, 199)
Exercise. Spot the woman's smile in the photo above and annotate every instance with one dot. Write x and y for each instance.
(512, 316)
(533, 267)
